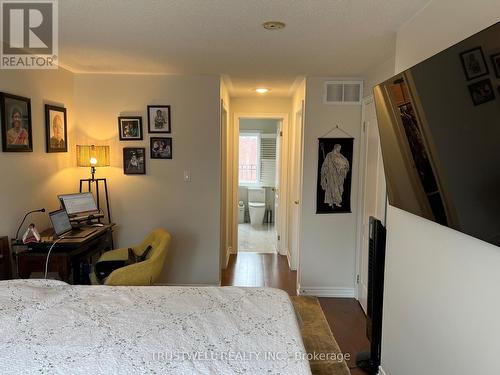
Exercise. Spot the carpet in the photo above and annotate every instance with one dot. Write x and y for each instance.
(318, 339)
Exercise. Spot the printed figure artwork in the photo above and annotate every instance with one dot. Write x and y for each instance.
(15, 121)
(495, 59)
(161, 148)
(159, 120)
(56, 129)
(474, 63)
(130, 128)
(482, 92)
(134, 160)
(334, 175)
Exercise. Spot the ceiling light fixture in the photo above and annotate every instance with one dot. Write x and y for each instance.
(273, 25)
(261, 90)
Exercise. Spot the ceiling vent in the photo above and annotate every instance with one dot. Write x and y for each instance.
(343, 92)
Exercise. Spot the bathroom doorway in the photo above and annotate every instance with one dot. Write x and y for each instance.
(258, 184)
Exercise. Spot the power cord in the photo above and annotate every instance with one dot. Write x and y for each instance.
(48, 256)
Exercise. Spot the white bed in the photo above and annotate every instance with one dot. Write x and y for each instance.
(49, 327)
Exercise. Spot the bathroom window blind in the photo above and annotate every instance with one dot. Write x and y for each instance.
(268, 159)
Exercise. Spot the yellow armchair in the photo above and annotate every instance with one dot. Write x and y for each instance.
(142, 273)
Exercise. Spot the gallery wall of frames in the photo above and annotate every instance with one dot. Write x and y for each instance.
(16, 131)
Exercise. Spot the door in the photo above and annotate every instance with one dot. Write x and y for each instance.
(374, 190)
(296, 187)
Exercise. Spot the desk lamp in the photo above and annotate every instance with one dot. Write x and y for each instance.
(94, 156)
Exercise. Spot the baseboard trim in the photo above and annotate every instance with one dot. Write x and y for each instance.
(381, 371)
(335, 292)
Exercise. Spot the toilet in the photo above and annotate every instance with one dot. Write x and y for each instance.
(257, 205)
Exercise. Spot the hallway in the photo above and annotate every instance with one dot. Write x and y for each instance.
(260, 270)
(344, 315)
(259, 239)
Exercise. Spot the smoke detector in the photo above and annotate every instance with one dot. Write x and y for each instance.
(273, 25)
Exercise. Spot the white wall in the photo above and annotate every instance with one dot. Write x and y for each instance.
(440, 305)
(32, 180)
(439, 25)
(377, 75)
(189, 211)
(327, 256)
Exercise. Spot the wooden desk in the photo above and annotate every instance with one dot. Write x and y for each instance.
(68, 256)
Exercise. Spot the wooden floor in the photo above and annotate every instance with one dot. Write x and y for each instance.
(345, 316)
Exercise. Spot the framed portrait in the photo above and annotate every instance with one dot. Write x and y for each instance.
(56, 129)
(474, 63)
(161, 148)
(134, 160)
(15, 120)
(333, 193)
(130, 128)
(495, 60)
(482, 92)
(159, 119)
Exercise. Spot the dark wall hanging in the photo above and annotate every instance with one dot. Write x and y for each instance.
(334, 175)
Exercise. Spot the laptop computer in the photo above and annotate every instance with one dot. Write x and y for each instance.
(62, 226)
(80, 206)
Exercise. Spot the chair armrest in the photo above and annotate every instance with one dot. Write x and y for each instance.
(134, 274)
(117, 254)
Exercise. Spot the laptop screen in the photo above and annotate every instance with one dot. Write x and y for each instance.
(78, 203)
(60, 222)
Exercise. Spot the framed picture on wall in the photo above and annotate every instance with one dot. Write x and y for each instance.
(482, 92)
(474, 63)
(333, 192)
(161, 148)
(130, 128)
(159, 119)
(15, 120)
(134, 160)
(56, 130)
(495, 60)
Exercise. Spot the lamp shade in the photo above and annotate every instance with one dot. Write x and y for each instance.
(92, 156)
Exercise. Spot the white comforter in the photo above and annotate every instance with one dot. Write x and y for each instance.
(49, 327)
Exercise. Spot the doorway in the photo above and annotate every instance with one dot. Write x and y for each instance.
(258, 182)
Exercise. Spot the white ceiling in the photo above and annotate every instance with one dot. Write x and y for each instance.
(322, 38)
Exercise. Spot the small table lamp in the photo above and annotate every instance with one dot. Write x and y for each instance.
(94, 156)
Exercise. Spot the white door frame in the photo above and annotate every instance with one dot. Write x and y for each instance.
(296, 156)
(380, 193)
(226, 212)
(363, 144)
(282, 244)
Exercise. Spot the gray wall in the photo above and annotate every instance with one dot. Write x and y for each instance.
(32, 180)
(161, 198)
(267, 126)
